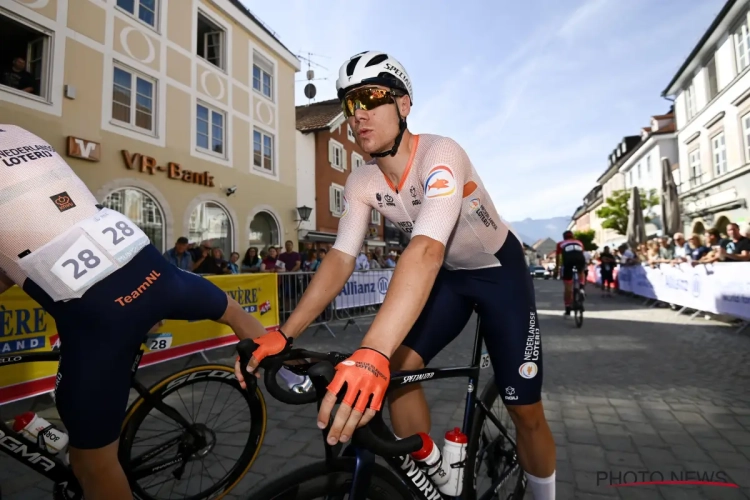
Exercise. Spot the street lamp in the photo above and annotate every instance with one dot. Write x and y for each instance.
(304, 214)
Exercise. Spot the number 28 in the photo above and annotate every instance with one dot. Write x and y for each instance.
(122, 226)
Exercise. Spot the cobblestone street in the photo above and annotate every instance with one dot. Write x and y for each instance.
(635, 389)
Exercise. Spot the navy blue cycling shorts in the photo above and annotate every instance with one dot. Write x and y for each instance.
(509, 324)
(101, 333)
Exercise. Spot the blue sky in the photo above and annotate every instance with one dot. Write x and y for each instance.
(537, 92)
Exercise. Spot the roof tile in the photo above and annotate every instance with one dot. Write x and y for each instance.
(316, 116)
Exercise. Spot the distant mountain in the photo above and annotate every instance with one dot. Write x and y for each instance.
(532, 230)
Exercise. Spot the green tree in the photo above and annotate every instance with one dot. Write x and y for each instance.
(587, 238)
(616, 210)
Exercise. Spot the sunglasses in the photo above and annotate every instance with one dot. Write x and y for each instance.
(367, 98)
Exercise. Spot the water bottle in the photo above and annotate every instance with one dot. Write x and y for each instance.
(29, 425)
(430, 457)
(454, 457)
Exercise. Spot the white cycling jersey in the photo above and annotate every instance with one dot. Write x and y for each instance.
(440, 196)
(51, 229)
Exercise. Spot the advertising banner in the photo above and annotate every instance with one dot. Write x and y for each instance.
(364, 288)
(26, 327)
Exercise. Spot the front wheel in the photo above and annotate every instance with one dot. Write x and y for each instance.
(227, 423)
(492, 459)
(323, 481)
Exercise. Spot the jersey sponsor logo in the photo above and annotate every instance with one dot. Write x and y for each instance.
(469, 188)
(533, 341)
(380, 200)
(440, 182)
(389, 200)
(62, 201)
(25, 154)
(528, 370)
(127, 299)
(346, 207)
(413, 192)
(510, 394)
(474, 204)
(406, 226)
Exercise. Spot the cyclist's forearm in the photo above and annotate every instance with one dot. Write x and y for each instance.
(408, 291)
(328, 281)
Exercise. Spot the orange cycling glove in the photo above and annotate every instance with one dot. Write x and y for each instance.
(366, 373)
(270, 344)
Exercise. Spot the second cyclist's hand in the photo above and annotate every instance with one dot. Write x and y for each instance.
(269, 344)
(366, 374)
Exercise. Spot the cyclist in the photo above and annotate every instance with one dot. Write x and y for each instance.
(97, 274)
(461, 254)
(569, 254)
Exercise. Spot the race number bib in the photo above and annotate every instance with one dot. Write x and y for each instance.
(81, 264)
(115, 232)
(159, 341)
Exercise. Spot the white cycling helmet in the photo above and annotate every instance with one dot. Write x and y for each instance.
(373, 68)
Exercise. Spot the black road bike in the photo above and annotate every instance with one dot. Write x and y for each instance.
(491, 463)
(194, 424)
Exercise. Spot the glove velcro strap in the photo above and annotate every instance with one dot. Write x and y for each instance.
(371, 349)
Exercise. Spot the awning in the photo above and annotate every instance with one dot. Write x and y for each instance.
(318, 236)
(375, 243)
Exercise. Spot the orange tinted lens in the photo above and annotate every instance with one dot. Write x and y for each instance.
(365, 99)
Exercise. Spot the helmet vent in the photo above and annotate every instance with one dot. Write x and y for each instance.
(376, 60)
(352, 64)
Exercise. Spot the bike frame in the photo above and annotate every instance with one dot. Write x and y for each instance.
(36, 456)
(404, 467)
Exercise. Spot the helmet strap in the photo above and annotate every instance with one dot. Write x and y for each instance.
(397, 140)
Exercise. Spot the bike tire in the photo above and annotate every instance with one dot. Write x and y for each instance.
(578, 309)
(489, 397)
(320, 480)
(221, 373)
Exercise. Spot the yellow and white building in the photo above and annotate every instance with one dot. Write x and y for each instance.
(178, 113)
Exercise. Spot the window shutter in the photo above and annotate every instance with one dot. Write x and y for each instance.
(332, 199)
(343, 159)
(330, 151)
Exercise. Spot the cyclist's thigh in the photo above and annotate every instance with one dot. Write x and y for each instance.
(100, 334)
(510, 325)
(443, 317)
(196, 298)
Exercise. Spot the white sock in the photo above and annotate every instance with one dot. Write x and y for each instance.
(542, 488)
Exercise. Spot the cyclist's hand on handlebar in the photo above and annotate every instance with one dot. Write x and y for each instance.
(269, 344)
(366, 374)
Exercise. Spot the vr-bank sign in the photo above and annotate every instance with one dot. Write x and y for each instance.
(365, 288)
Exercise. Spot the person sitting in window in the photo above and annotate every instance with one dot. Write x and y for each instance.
(17, 77)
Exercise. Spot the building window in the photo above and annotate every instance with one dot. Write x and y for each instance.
(336, 199)
(133, 96)
(690, 101)
(146, 10)
(719, 154)
(357, 161)
(24, 57)
(211, 38)
(210, 131)
(262, 75)
(694, 165)
(263, 151)
(210, 222)
(375, 217)
(336, 155)
(140, 207)
(264, 231)
(741, 45)
(648, 166)
(712, 83)
(349, 133)
(639, 171)
(746, 136)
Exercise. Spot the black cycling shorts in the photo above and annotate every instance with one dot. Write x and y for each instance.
(100, 334)
(509, 323)
(567, 268)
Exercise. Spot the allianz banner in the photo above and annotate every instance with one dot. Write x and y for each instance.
(720, 288)
(364, 288)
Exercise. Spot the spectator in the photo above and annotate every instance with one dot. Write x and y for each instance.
(374, 264)
(179, 255)
(681, 248)
(17, 77)
(201, 256)
(696, 249)
(215, 263)
(390, 262)
(272, 263)
(362, 263)
(233, 266)
(316, 263)
(291, 259)
(627, 257)
(716, 246)
(737, 247)
(606, 269)
(251, 261)
(310, 257)
(666, 250)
